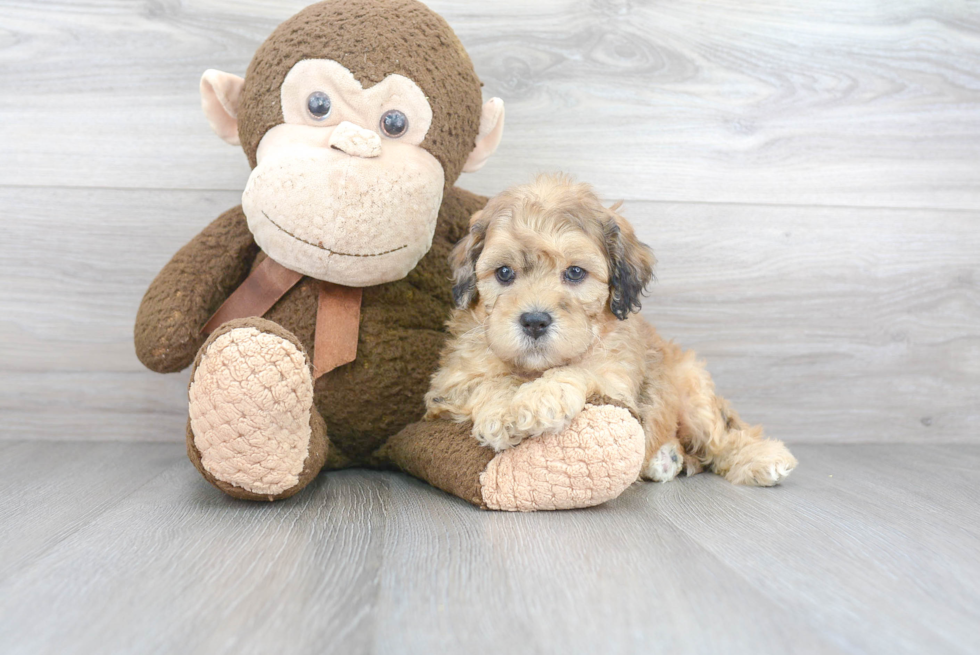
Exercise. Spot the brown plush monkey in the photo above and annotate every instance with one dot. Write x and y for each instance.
(357, 117)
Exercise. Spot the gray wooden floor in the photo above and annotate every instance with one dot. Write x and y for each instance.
(123, 548)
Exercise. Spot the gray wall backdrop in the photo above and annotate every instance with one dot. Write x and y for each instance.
(807, 172)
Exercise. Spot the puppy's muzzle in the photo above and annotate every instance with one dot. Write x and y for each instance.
(535, 324)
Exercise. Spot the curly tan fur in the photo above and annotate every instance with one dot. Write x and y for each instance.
(514, 386)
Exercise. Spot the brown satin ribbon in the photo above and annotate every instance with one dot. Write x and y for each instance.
(337, 318)
(256, 295)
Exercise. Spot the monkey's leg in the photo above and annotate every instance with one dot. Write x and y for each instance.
(727, 445)
(253, 430)
(594, 460)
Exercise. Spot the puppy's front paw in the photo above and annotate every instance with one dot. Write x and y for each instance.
(494, 428)
(763, 464)
(546, 407)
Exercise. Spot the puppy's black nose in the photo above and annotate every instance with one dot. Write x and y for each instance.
(535, 323)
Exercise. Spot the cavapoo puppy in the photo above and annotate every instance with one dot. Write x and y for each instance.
(548, 281)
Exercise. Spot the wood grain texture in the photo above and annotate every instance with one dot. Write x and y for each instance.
(824, 324)
(866, 548)
(833, 324)
(909, 562)
(203, 573)
(68, 298)
(49, 490)
(610, 580)
(836, 103)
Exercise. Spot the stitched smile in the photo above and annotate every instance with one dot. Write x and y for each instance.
(332, 252)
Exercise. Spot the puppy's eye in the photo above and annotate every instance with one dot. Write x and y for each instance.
(394, 123)
(318, 104)
(575, 274)
(505, 275)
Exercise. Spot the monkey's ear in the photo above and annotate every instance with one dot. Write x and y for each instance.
(631, 264)
(463, 260)
(488, 138)
(221, 94)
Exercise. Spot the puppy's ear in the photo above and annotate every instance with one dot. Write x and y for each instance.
(631, 264)
(463, 261)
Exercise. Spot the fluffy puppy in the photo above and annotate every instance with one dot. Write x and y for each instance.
(548, 283)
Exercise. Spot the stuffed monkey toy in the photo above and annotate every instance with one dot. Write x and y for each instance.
(313, 314)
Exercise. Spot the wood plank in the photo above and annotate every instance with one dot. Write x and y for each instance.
(108, 421)
(826, 324)
(179, 567)
(49, 491)
(889, 477)
(374, 562)
(852, 554)
(845, 103)
(68, 299)
(821, 337)
(860, 558)
(614, 579)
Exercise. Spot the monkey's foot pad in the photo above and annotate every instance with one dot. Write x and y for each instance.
(594, 460)
(251, 398)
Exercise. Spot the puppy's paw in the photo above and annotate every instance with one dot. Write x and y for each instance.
(495, 429)
(665, 464)
(546, 407)
(762, 464)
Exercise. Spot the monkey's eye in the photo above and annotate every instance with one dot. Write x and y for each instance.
(318, 105)
(575, 274)
(505, 275)
(394, 123)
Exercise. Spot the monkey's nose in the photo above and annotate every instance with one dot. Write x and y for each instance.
(355, 140)
(535, 324)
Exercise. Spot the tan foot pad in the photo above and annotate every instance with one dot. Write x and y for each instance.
(250, 403)
(594, 460)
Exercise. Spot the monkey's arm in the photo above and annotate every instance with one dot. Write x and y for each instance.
(189, 289)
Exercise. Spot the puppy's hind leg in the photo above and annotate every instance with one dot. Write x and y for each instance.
(712, 430)
(665, 463)
(666, 457)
